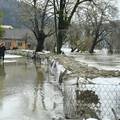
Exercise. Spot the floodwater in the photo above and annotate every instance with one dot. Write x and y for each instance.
(26, 93)
(100, 61)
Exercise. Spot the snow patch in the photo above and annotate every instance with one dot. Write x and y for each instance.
(7, 56)
(66, 50)
(101, 62)
(91, 119)
(25, 50)
(10, 61)
(105, 118)
(101, 80)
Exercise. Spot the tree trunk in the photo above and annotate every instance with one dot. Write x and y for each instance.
(73, 49)
(59, 42)
(93, 46)
(64, 21)
(40, 41)
(94, 43)
(60, 26)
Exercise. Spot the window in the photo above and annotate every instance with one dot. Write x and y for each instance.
(19, 43)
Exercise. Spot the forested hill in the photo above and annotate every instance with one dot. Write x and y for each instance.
(10, 12)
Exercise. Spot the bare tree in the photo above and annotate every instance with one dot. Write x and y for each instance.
(35, 15)
(99, 14)
(115, 35)
(76, 38)
(65, 10)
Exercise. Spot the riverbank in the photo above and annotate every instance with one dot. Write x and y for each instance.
(76, 68)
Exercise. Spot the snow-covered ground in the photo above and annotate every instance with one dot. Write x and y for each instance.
(100, 60)
(105, 62)
(66, 50)
(8, 56)
(11, 58)
(107, 81)
(43, 52)
(10, 61)
(107, 89)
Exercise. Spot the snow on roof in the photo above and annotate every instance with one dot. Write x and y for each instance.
(7, 26)
(15, 33)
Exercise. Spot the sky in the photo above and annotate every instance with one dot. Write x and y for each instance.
(118, 5)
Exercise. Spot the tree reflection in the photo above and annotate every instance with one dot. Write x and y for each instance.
(2, 78)
(39, 86)
(2, 71)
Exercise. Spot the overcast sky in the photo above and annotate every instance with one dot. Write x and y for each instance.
(118, 2)
(118, 5)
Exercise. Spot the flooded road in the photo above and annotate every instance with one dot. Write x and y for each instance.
(29, 92)
(26, 93)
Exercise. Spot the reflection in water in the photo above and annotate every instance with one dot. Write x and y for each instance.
(46, 93)
(39, 86)
(2, 77)
(26, 92)
(2, 71)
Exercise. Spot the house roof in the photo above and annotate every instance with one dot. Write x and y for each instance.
(18, 34)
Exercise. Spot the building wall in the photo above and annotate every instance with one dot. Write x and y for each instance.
(15, 44)
(21, 44)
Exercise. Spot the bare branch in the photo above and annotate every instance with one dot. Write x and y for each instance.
(43, 15)
(50, 33)
(78, 2)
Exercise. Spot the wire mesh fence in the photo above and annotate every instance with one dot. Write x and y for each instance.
(91, 100)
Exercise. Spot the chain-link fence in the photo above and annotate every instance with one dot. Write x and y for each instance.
(91, 100)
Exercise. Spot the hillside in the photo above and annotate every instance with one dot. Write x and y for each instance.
(10, 11)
